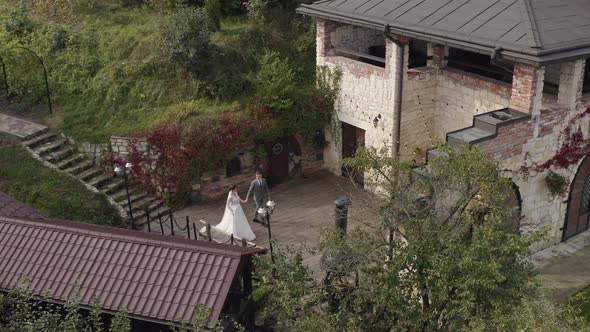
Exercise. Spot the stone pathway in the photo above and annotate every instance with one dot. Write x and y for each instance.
(20, 128)
(304, 206)
(564, 269)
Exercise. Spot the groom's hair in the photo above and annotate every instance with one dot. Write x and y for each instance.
(258, 172)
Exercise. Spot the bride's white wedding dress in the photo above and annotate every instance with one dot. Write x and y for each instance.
(234, 220)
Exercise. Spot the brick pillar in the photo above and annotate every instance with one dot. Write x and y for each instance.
(438, 54)
(527, 88)
(571, 81)
(324, 29)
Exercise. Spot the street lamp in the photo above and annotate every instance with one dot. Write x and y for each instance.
(125, 171)
(264, 213)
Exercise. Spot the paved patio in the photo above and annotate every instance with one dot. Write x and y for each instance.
(20, 128)
(303, 207)
(564, 269)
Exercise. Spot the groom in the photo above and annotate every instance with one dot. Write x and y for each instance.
(260, 189)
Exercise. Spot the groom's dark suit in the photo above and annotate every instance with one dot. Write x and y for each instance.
(260, 190)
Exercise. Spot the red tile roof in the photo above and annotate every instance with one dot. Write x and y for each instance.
(10, 207)
(155, 278)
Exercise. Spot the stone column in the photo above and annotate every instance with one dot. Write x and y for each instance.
(571, 81)
(324, 29)
(527, 88)
(527, 92)
(438, 55)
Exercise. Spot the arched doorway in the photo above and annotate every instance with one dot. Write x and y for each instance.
(512, 202)
(576, 219)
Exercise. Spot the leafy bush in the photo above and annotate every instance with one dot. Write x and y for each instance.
(556, 183)
(213, 10)
(275, 81)
(258, 10)
(17, 21)
(185, 39)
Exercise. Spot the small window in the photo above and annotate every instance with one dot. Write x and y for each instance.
(418, 54)
(479, 64)
(585, 197)
(234, 167)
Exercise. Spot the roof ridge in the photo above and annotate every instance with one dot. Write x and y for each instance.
(530, 23)
(127, 236)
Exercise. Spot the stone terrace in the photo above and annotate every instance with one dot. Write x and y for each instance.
(303, 207)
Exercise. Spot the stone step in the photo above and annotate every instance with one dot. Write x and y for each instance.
(71, 161)
(49, 147)
(121, 196)
(60, 155)
(101, 180)
(141, 203)
(470, 135)
(90, 174)
(79, 168)
(155, 205)
(40, 139)
(113, 187)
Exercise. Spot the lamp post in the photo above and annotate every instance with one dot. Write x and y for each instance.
(124, 172)
(264, 213)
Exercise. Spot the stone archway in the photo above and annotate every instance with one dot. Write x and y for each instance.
(513, 201)
(576, 219)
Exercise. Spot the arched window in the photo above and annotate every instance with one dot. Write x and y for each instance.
(585, 203)
(234, 167)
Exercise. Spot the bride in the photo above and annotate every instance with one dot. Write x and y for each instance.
(234, 220)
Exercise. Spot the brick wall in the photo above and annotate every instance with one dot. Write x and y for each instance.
(515, 146)
(527, 85)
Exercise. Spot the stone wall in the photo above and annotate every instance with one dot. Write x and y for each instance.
(120, 146)
(515, 146)
(366, 92)
(461, 95)
(215, 184)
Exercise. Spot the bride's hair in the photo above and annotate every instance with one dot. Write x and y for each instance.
(233, 187)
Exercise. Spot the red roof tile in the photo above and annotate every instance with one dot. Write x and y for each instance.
(154, 277)
(10, 207)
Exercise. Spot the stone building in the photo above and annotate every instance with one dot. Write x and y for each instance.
(508, 76)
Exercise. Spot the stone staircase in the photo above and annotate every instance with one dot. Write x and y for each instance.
(60, 153)
(485, 126)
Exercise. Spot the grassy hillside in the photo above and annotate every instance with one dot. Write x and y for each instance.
(108, 73)
(51, 193)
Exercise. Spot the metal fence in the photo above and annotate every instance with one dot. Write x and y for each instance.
(167, 224)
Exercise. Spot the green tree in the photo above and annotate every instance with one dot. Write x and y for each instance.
(20, 311)
(275, 81)
(453, 265)
(185, 38)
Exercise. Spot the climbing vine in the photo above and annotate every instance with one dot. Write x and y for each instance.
(573, 148)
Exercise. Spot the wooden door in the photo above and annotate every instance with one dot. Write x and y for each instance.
(278, 159)
(578, 214)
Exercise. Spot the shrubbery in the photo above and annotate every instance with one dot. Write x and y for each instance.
(185, 38)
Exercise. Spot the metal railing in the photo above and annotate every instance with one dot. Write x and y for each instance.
(200, 230)
(374, 60)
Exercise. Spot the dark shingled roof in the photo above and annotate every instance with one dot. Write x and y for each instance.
(156, 278)
(10, 207)
(534, 31)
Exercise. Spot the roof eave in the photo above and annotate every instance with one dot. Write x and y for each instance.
(535, 56)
